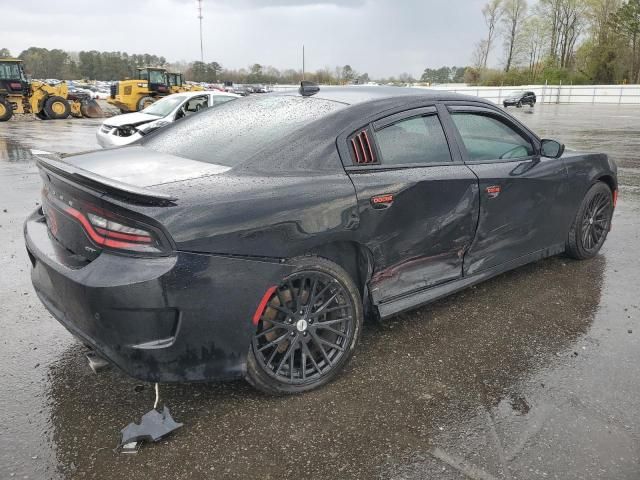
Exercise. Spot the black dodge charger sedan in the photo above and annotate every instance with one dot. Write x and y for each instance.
(253, 240)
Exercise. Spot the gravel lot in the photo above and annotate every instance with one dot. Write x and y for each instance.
(533, 374)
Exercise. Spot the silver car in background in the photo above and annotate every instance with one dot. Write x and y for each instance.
(129, 127)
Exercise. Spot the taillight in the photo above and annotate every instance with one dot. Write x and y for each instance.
(109, 233)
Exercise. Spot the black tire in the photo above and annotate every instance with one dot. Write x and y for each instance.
(144, 102)
(57, 108)
(519, 104)
(590, 227)
(287, 354)
(505, 105)
(6, 110)
(42, 116)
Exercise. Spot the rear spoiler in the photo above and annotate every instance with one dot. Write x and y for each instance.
(53, 163)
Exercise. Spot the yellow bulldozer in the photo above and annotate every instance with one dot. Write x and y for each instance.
(176, 83)
(151, 84)
(48, 102)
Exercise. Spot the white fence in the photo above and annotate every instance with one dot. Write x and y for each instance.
(583, 94)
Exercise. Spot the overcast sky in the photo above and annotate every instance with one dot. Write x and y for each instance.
(380, 37)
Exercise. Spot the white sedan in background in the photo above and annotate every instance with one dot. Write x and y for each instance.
(129, 127)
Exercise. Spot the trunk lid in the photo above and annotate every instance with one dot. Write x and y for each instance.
(141, 167)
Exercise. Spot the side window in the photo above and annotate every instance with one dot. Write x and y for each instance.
(220, 99)
(487, 138)
(417, 140)
(196, 104)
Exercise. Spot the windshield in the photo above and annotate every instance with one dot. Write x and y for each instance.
(10, 71)
(156, 76)
(235, 131)
(164, 106)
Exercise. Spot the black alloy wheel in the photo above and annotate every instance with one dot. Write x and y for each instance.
(307, 331)
(595, 221)
(592, 223)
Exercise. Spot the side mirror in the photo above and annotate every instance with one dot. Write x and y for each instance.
(551, 149)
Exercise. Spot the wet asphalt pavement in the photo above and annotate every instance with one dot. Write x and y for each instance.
(533, 374)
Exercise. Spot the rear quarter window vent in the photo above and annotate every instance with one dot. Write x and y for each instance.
(362, 151)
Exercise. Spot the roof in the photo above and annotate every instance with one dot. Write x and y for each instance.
(351, 95)
(203, 92)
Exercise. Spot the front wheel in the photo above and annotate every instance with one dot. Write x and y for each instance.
(6, 110)
(308, 330)
(591, 225)
(57, 108)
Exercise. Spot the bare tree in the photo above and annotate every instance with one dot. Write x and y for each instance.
(535, 36)
(480, 54)
(513, 15)
(551, 11)
(572, 21)
(491, 12)
(599, 14)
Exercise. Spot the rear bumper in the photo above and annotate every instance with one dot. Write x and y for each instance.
(167, 319)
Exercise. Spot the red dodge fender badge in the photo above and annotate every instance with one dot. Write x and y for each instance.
(493, 191)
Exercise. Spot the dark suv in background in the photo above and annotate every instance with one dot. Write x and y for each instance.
(519, 99)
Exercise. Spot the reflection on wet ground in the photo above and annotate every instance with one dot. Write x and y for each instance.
(530, 375)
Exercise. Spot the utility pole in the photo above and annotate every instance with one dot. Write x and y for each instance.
(302, 61)
(200, 18)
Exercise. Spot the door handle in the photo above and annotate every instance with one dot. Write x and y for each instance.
(382, 201)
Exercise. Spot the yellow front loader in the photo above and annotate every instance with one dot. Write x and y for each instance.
(137, 94)
(152, 84)
(21, 96)
(177, 85)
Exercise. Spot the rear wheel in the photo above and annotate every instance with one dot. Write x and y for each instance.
(42, 116)
(6, 110)
(591, 225)
(57, 108)
(144, 102)
(307, 331)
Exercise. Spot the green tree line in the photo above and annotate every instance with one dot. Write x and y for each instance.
(94, 65)
(570, 41)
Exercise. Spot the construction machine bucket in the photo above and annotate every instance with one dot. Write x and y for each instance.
(91, 109)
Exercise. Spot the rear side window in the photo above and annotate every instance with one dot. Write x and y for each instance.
(235, 131)
(486, 138)
(417, 140)
(220, 99)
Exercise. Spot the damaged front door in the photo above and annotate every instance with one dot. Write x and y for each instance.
(520, 191)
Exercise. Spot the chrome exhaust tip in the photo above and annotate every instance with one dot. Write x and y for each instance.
(96, 362)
